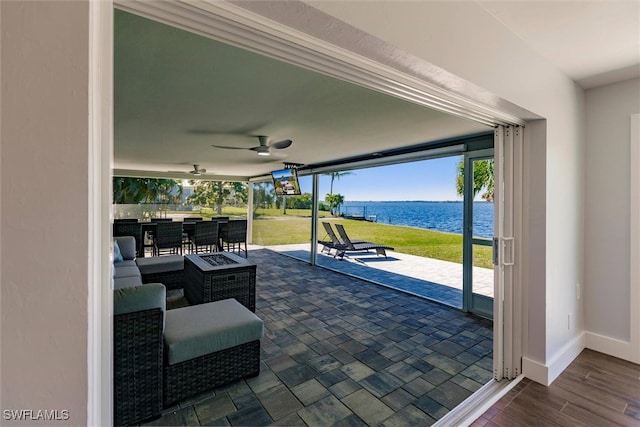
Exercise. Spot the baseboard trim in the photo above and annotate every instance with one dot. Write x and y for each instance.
(477, 404)
(545, 374)
(534, 370)
(611, 346)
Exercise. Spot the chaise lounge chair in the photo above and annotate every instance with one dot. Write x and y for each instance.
(335, 243)
(349, 245)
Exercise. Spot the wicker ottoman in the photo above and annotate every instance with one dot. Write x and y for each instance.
(167, 269)
(208, 345)
(138, 317)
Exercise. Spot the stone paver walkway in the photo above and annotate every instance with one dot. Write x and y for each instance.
(437, 280)
(342, 351)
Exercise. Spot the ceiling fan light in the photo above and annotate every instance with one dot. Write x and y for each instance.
(263, 151)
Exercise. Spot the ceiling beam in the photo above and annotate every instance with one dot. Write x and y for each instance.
(177, 175)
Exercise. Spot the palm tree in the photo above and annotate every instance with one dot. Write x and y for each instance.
(335, 201)
(483, 177)
(336, 175)
(144, 190)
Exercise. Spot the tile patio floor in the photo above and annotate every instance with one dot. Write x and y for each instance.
(437, 280)
(341, 351)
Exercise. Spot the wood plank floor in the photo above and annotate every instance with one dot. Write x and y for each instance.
(595, 390)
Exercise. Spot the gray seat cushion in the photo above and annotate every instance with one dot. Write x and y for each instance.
(139, 298)
(197, 330)
(124, 271)
(160, 264)
(126, 274)
(127, 245)
(127, 282)
(125, 263)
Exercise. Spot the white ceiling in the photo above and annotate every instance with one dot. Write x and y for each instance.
(595, 42)
(176, 93)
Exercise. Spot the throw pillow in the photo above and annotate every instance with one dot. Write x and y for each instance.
(117, 256)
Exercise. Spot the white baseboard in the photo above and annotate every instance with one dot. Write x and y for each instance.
(611, 346)
(547, 373)
(477, 404)
(534, 370)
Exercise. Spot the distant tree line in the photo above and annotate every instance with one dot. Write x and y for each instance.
(264, 196)
(216, 194)
(213, 194)
(131, 191)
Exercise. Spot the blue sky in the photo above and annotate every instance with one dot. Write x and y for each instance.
(425, 180)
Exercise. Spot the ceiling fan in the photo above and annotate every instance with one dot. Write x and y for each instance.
(197, 171)
(264, 149)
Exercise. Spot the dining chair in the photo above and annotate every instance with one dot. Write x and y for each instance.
(235, 233)
(205, 236)
(167, 238)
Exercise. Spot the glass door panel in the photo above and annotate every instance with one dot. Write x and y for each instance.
(283, 223)
(478, 283)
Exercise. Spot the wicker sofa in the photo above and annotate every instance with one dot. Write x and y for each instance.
(164, 356)
(126, 273)
(129, 271)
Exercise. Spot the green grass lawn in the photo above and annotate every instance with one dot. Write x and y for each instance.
(271, 227)
(273, 212)
(408, 240)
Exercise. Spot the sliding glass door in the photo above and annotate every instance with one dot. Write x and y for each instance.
(478, 282)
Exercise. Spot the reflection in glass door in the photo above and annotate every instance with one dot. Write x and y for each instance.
(478, 283)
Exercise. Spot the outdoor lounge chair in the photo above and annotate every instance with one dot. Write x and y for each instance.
(349, 245)
(335, 243)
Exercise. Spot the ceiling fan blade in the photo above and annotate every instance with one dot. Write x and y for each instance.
(231, 148)
(282, 144)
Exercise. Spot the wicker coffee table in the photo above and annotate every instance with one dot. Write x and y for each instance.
(217, 276)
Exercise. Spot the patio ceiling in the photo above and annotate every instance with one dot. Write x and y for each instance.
(177, 93)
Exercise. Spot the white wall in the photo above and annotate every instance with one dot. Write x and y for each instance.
(607, 206)
(43, 217)
(462, 38)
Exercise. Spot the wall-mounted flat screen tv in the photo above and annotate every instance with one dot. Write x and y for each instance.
(286, 182)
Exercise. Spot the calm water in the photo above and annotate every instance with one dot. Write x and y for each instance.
(440, 216)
